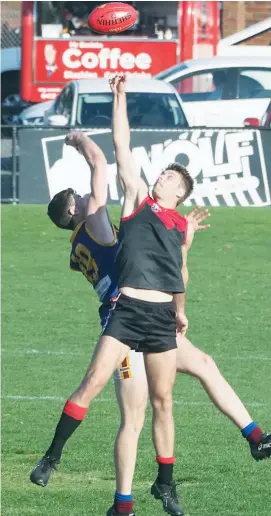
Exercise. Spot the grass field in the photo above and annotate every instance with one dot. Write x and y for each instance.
(49, 327)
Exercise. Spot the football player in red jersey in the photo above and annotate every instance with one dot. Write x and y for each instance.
(133, 317)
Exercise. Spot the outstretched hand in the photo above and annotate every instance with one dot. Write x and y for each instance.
(75, 139)
(196, 216)
(181, 323)
(117, 83)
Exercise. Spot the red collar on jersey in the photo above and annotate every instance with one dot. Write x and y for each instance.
(170, 217)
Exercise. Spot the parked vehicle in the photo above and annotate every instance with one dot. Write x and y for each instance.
(265, 122)
(88, 103)
(222, 91)
(11, 102)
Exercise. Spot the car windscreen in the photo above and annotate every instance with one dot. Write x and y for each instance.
(169, 71)
(145, 110)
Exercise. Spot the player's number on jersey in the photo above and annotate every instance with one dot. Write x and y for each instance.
(87, 264)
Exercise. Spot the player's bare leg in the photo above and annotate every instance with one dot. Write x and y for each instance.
(132, 396)
(191, 360)
(161, 372)
(108, 354)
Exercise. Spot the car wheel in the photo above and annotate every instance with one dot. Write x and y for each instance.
(11, 102)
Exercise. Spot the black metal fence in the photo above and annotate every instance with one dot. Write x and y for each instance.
(10, 164)
(10, 24)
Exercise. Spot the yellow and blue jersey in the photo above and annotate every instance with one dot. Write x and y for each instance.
(97, 262)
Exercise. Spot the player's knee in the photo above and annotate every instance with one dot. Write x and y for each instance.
(208, 361)
(162, 401)
(133, 424)
(208, 365)
(93, 382)
(133, 418)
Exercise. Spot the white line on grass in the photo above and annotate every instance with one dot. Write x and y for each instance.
(35, 352)
(50, 352)
(245, 357)
(35, 398)
(51, 398)
(113, 400)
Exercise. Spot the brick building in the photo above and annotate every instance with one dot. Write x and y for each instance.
(239, 15)
(235, 17)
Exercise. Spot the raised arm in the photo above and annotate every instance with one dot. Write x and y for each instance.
(133, 187)
(97, 219)
(185, 273)
(194, 218)
(179, 299)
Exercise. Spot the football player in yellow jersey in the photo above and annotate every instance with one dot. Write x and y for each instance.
(94, 245)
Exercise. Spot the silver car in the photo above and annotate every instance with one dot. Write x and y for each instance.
(88, 103)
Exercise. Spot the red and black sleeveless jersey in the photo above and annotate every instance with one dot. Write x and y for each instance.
(149, 255)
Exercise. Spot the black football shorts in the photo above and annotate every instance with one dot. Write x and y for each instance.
(142, 325)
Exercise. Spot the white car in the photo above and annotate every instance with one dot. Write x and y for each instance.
(88, 103)
(222, 91)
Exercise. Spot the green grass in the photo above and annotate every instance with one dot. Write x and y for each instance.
(47, 308)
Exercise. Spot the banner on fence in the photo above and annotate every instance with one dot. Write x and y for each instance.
(229, 167)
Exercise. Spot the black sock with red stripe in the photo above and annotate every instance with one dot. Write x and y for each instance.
(71, 417)
(165, 469)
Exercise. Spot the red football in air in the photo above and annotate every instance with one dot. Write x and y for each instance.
(112, 17)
